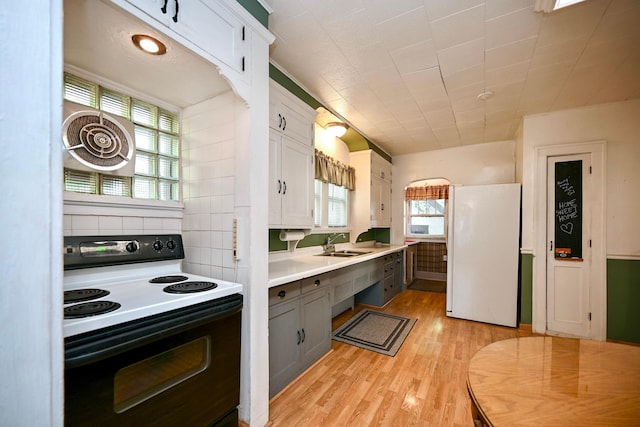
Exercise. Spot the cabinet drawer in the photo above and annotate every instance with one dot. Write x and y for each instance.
(284, 293)
(315, 282)
(388, 268)
(342, 284)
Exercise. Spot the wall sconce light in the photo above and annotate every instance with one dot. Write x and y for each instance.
(149, 44)
(337, 129)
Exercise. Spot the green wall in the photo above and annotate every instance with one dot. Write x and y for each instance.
(623, 300)
(526, 288)
(275, 244)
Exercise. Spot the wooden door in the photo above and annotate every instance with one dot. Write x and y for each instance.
(568, 251)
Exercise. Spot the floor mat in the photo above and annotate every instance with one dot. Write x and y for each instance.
(376, 331)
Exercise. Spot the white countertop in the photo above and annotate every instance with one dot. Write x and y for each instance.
(308, 263)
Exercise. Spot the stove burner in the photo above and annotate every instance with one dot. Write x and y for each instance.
(79, 295)
(190, 287)
(87, 309)
(168, 279)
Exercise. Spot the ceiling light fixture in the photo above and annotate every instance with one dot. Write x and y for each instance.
(149, 44)
(485, 95)
(337, 128)
(548, 6)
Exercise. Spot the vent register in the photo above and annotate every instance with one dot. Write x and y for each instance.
(96, 141)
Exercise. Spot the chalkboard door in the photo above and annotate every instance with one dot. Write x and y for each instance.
(568, 222)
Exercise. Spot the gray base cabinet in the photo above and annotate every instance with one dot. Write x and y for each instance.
(299, 328)
(390, 283)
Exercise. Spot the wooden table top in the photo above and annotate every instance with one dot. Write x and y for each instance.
(556, 381)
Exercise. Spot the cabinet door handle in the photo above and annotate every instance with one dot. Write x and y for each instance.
(284, 119)
(279, 186)
(303, 335)
(279, 121)
(284, 188)
(164, 6)
(298, 338)
(282, 294)
(175, 17)
(382, 206)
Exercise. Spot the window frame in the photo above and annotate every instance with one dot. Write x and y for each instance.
(164, 114)
(324, 213)
(425, 237)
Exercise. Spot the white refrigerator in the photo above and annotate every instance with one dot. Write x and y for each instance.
(483, 252)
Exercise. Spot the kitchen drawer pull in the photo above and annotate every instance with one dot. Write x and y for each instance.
(317, 282)
(164, 6)
(282, 294)
(175, 17)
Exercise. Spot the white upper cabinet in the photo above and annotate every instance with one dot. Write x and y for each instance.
(372, 197)
(291, 160)
(207, 27)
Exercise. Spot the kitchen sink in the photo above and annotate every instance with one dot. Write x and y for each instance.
(345, 253)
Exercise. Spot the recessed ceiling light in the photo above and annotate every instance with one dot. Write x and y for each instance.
(485, 95)
(149, 44)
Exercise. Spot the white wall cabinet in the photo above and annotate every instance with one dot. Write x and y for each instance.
(291, 161)
(207, 24)
(372, 197)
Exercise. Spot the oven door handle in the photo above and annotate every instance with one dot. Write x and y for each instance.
(99, 345)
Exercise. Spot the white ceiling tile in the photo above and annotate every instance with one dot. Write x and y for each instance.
(513, 27)
(458, 28)
(461, 57)
(438, 9)
(470, 76)
(510, 54)
(417, 57)
(441, 118)
(394, 33)
(496, 8)
(382, 10)
(510, 74)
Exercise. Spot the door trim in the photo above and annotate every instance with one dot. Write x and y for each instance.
(598, 287)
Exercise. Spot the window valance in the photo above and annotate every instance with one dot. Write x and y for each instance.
(427, 192)
(332, 171)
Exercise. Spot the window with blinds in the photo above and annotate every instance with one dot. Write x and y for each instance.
(331, 205)
(157, 171)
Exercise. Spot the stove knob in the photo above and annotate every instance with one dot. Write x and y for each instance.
(171, 244)
(132, 246)
(157, 245)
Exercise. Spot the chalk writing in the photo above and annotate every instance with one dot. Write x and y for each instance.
(567, 187)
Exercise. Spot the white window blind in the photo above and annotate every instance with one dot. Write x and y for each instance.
(337, 206)
(157, 171)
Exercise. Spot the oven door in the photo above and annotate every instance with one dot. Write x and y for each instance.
(176, 368)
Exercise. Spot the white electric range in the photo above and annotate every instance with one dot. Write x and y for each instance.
(111, 280)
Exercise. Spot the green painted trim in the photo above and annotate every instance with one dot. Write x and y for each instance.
(354, 140)
(256, 9)
(284, 81)
(623, 300)
(526, 288)
(275, 244)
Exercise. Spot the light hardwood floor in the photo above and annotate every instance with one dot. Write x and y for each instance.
(423, 385)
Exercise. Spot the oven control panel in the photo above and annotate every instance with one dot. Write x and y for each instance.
(96, 251)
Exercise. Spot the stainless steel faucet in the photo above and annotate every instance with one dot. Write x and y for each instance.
(330, 246)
